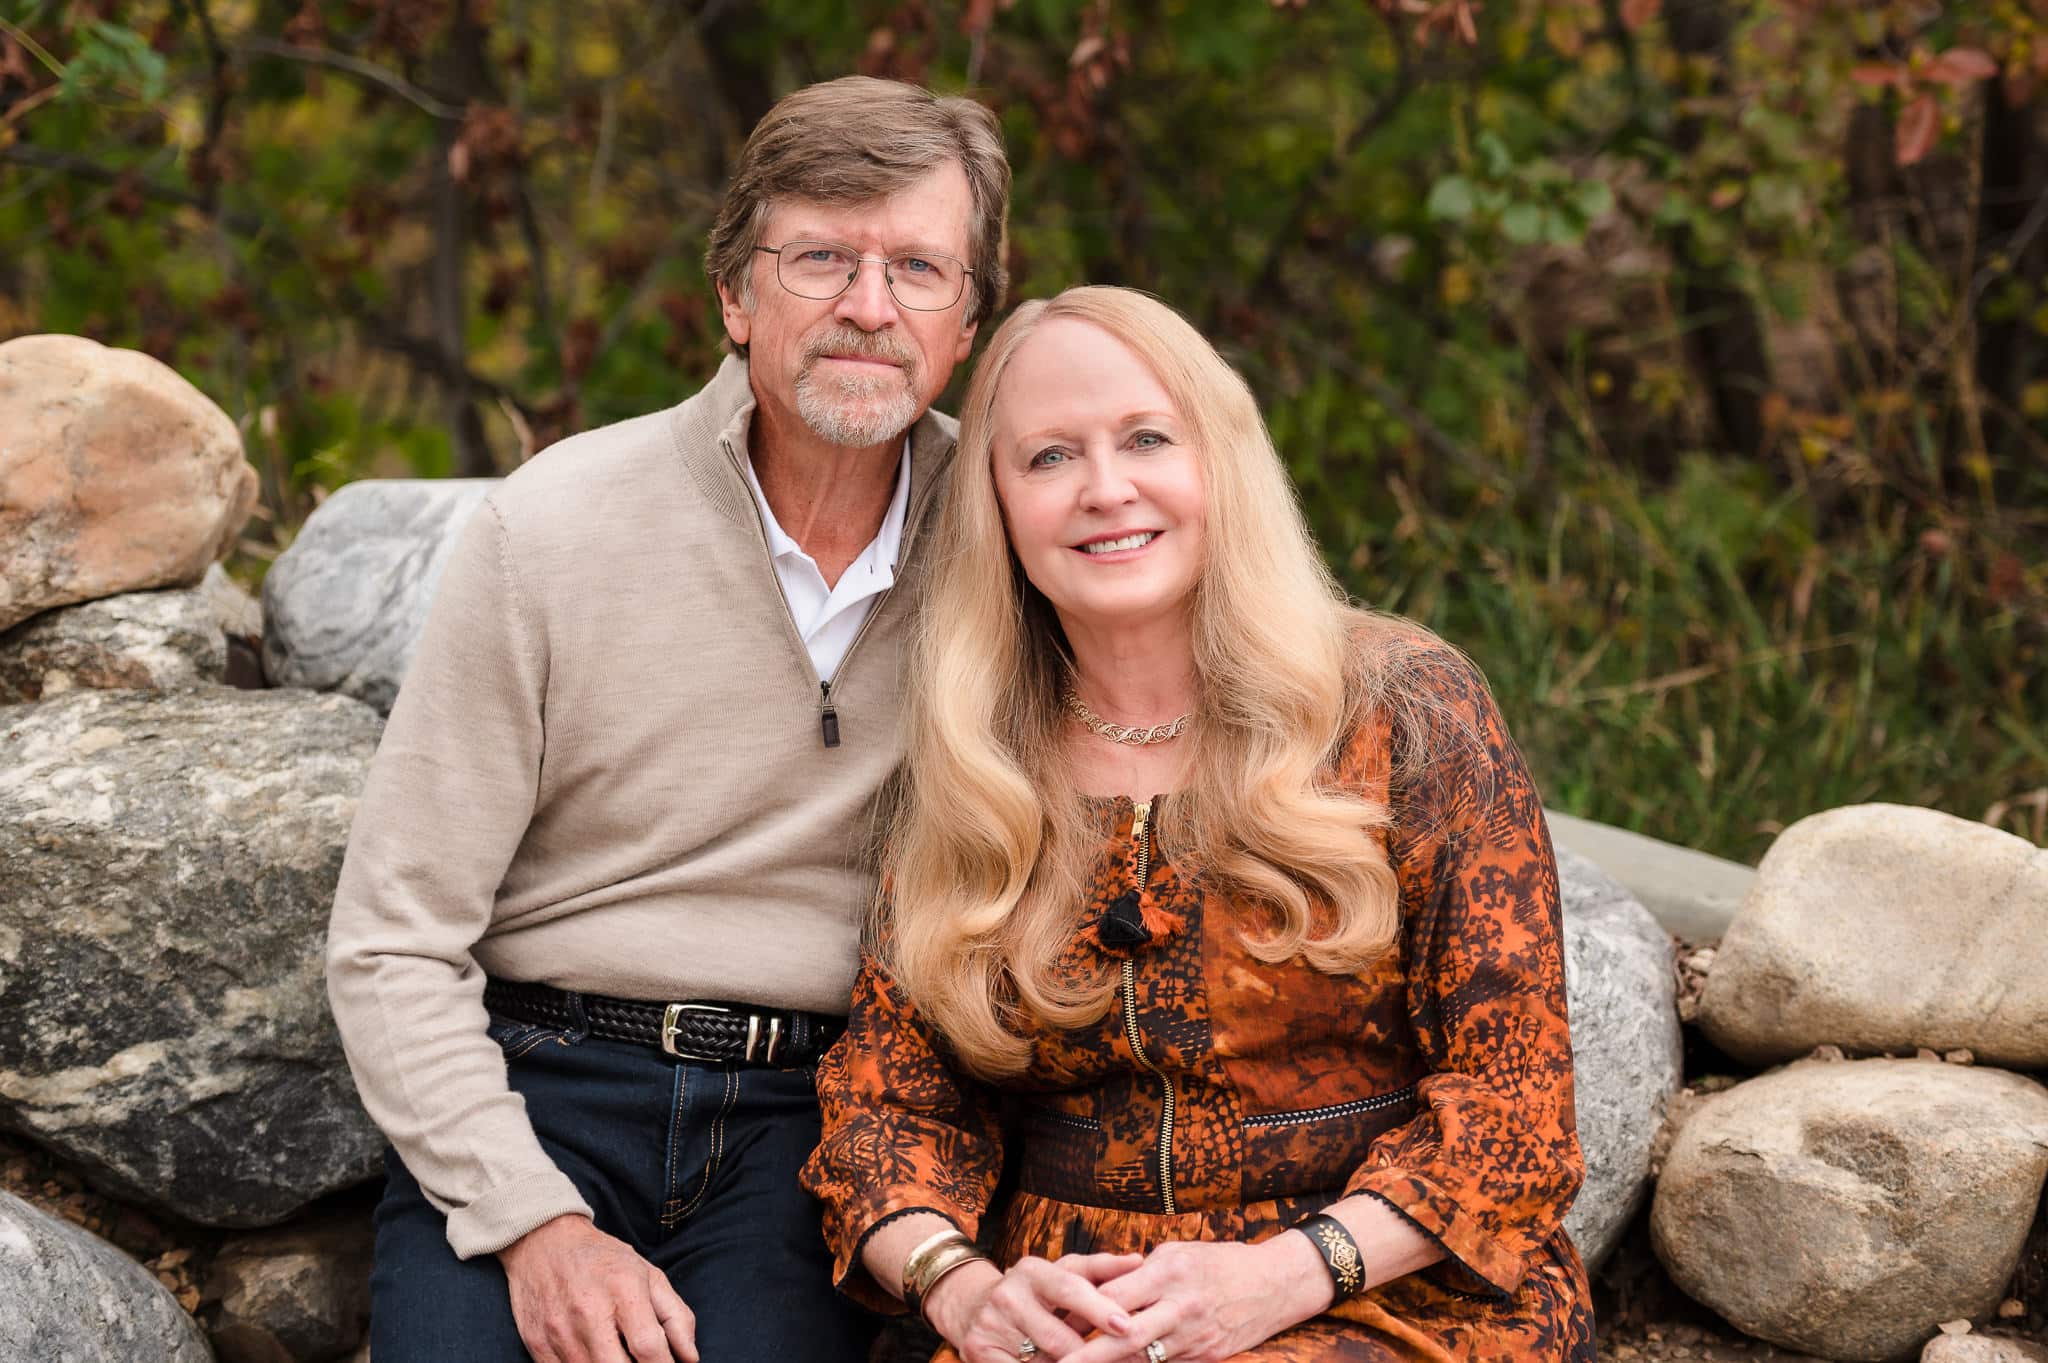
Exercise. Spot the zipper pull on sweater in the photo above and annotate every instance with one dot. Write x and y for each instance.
(828, 715)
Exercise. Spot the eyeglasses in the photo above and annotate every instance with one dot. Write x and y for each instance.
(919, 280)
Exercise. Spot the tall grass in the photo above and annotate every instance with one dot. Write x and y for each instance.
(1708, 658)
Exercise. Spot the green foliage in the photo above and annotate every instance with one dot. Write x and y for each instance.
(1583, 344)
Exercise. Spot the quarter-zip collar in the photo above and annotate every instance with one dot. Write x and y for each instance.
(709, 432)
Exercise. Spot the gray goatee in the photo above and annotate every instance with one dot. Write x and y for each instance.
(858, 409)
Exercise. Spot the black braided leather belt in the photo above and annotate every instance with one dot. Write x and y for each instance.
(727, 1033)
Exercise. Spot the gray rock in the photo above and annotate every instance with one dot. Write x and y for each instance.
(1975, 1348)
(68, 1297)
(1694, 895)
(1849, 1208)
(344, 605)
(173, 857)
(1888, 928)
(1626, 1048)
(140, 640)
(294, 1295)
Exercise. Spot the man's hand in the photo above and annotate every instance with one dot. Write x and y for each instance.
(577, 1292)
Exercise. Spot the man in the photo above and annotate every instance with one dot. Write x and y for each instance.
(601, 905)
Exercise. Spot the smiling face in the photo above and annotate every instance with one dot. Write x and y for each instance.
(858, 369)
(1098, 478)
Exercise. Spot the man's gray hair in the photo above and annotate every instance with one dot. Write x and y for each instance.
(856, 140)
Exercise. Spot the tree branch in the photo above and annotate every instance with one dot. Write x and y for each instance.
(79, 168)
(426, 354)
(216, 106)
(389, 81)
(1317, 188)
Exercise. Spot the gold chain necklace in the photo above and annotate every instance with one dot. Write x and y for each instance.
(1122, 733)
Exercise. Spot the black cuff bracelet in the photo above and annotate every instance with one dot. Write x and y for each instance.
(1339, 1251)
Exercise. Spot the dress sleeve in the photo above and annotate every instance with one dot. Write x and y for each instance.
(904, 1131)
(1491, 1162)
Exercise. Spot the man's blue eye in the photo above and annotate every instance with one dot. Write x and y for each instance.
(916, 266)
(820, 257)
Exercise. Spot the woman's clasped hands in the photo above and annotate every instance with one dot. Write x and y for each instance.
(1185, 1302)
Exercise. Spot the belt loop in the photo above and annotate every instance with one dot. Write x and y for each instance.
(581, 1030)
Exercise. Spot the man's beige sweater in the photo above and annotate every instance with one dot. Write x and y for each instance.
(606, 771)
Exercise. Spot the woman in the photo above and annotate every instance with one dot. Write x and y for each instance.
(1318, 981)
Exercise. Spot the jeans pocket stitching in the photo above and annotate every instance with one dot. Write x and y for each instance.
(674, 1215)
(526, 1044)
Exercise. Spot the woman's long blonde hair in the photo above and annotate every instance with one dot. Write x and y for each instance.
(990, 844)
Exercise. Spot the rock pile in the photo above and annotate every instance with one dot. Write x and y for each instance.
(178, 770)
(1851, 1206)
(170, 845)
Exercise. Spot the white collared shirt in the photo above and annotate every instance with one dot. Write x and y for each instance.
(828, 618)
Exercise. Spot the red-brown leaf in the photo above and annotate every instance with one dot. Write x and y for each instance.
(14, 62)
(1960, 66)
(1561, 27)
(1919, 126)
(2007, 580)
(1637, 13)
(1468, 24)
(977, 17)
(1879, 73)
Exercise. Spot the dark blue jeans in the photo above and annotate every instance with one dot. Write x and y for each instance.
(694, 1166)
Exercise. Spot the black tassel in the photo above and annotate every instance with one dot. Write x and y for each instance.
(1123, 923)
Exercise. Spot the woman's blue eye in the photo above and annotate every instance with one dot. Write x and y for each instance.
(1046, 457)
(1154, 438)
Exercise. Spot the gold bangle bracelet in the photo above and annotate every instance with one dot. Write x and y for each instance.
(943, 1261)
(915, 1262)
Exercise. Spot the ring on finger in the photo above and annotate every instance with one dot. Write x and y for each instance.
(1026, 1351)
(1155, 1352)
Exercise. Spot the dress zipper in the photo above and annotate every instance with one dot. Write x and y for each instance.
(1141, 830)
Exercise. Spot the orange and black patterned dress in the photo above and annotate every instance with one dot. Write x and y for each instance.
(1223, 1098)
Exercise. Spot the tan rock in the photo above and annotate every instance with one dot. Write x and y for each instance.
(1848, 1209)
(1888, 928)
(292, 1294)
(1982, 1349)
(116, 475)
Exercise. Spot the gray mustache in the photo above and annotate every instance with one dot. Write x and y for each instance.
(867, 345)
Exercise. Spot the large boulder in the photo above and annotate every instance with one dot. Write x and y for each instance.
(297, 1294)
(139, 640)
(116, 475)
(1626, 1047)
(344, 605)
(1887, 928)
(1849, 1208)
(172, 860)
(66, 1297)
